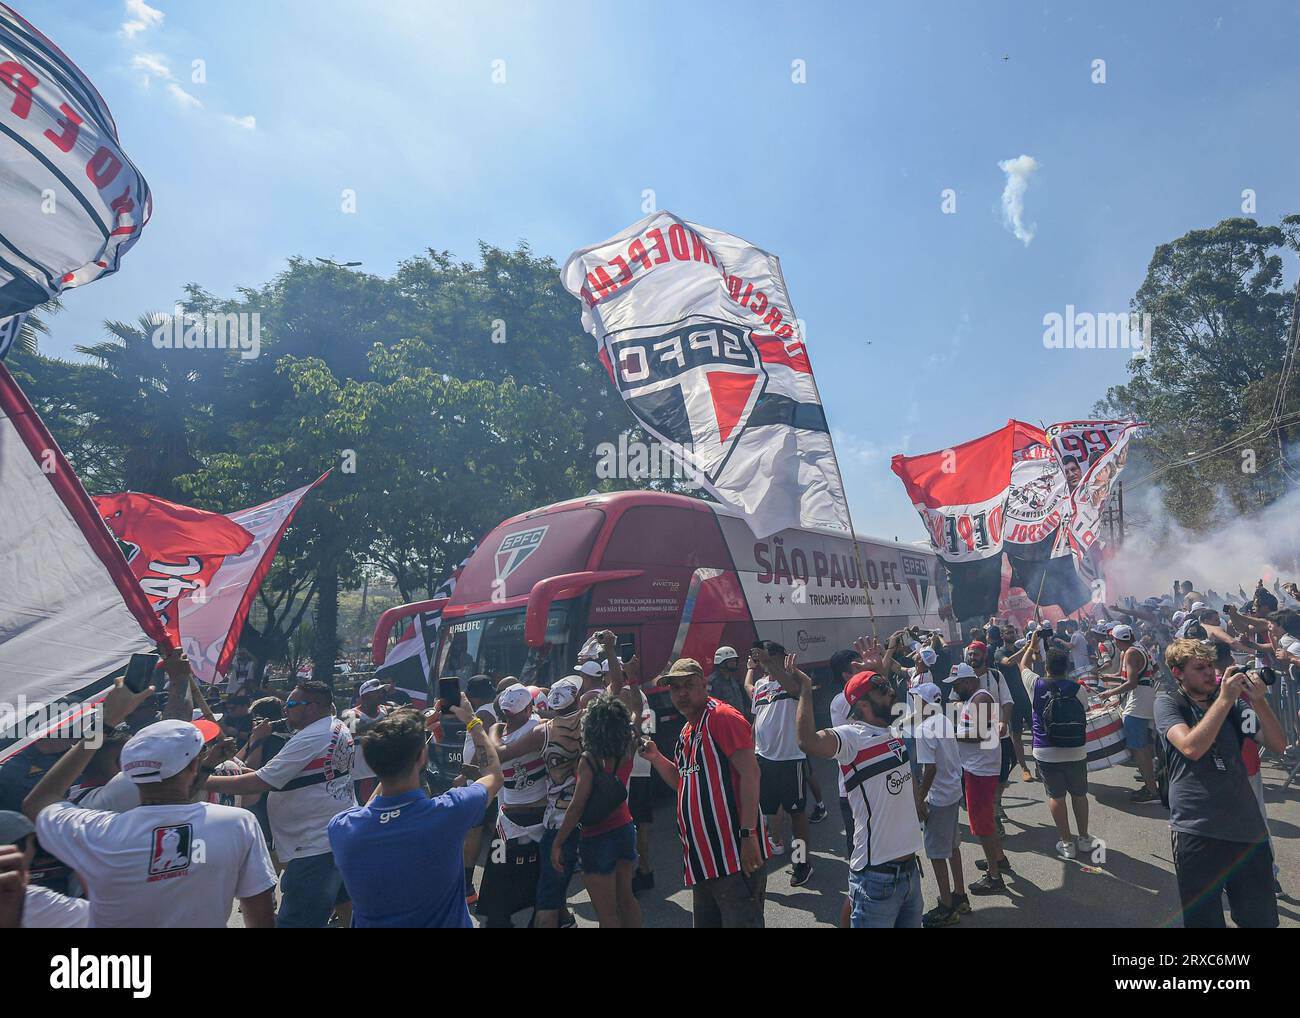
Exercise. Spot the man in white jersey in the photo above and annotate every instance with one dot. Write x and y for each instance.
(775, 696)
(511, 872)
(307, 783)
(939, 797)
(169, 862)
(884, 874)
(1138, 683)
(980, 751)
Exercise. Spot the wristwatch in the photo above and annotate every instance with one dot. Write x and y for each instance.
(747, 832)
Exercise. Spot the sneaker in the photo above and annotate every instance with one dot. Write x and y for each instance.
(1277, 889)
(1065, 850)
(1144, 795)
(1004, 865)
(800, 872)
(1085, 843)
(642, 881)
(778, 848)
(567, 921)
(940, 915)
(961, 904)
(1002, 831)
(1025, 775)
(818, 814)
(987, 885)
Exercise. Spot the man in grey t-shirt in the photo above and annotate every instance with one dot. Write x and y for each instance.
(1219, 840)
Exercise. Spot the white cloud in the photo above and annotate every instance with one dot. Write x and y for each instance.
(140, 16)
(1018, 171)
(248, 123)
(183, 97)
(152, 64)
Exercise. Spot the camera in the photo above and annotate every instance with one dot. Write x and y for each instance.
(1265, 675)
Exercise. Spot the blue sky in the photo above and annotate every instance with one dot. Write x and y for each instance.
(924, 329)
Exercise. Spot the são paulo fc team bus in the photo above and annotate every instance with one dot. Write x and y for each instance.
(671, 576)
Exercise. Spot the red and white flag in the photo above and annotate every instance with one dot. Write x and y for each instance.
(173, 550)
(961, 495)
(71, 202)
(71, 613)
(695, 328)
(210, 626)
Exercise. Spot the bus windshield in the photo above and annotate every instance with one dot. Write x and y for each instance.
(493, 645)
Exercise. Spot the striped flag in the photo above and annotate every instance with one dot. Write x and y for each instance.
(696, 331)
(71, 202)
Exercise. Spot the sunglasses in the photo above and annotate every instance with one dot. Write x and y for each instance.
(295, 703)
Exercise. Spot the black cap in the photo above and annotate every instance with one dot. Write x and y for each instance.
(480, 687)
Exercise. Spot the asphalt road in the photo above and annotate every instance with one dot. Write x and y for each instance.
(1135, 889)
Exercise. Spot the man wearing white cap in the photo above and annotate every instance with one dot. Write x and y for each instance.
(557, 742)
(939, 798)
(511, 873)
(725, 681)
(368, 712)
(1137, 683)
(169, 862)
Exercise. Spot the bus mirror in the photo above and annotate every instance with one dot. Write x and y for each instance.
(546, 591)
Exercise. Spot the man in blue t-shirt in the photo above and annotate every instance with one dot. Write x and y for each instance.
(400, 854)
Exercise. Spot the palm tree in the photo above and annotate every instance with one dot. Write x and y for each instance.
(145, 401)
(33, 326)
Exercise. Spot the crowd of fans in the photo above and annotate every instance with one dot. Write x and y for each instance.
(167, 816)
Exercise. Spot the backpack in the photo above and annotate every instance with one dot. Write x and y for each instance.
(1064, 719)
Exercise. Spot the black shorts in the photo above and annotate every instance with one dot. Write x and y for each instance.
(781, 786)
(511, 885)
(1008, 758)
(640, 799)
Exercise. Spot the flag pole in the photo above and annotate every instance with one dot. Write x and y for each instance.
(848, 513)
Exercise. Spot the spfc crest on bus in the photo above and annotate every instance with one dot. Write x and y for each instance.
(693, 384)
(515, 548)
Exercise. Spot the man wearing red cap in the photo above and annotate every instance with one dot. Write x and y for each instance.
(884, 874)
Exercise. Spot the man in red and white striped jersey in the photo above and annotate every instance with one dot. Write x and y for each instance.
(715, 772)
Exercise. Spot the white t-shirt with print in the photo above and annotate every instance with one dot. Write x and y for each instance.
(180, 865)
(117, 795)
(299, 816)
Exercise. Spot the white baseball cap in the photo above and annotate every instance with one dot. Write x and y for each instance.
(1122, 632)
(593, 668)
(516, 698)
(928, 692)
(928, 656)
(1198, 606)
(164, 749)
(564, 693)
(370, 686)
(1178, 617)
(962, 670)
(725, 654)
(539, 698)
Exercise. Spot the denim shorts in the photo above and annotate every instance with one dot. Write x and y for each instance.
(884, 900)
(553, 886)
(602, 854)
(1137, 732)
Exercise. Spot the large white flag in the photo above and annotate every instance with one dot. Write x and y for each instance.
(71, 202)
(697, 333)
(71, 613)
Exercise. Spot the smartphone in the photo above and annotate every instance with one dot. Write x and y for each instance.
(139, 672)
(449, 693)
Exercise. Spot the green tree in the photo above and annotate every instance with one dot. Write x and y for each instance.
(1220, 317)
